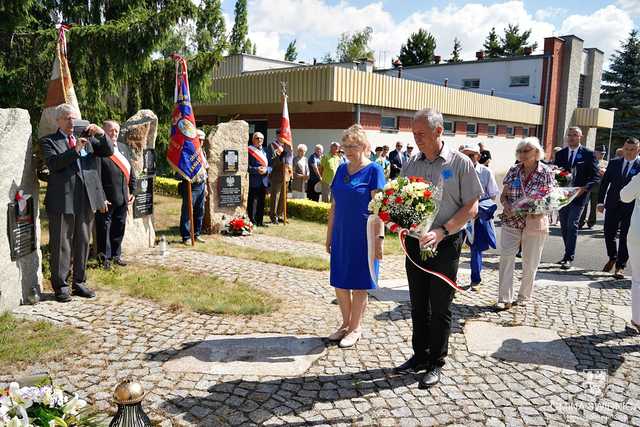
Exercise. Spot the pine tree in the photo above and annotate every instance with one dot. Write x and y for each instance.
(492, 46)
(419, 49)
(211, 31)
(355, 47)
(113, 52)
(514, 43)
(292, 53)
(239, 40)
(457, 50)
(622, 89)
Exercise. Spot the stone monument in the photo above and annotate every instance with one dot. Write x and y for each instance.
(20, 256)
(227, 154)
(139, 133)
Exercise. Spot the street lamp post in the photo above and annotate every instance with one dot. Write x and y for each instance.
(614, 109)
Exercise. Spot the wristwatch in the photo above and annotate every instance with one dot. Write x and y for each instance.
(444, 230)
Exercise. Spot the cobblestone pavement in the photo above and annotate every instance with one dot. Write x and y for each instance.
(129, 337)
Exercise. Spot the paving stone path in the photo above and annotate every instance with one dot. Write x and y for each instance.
(130, 337)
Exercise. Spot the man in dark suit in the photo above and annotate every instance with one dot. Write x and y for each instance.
(583, 165)
(259, 170)
(617, 213)
(119, 182)
(397, 158)
(74, 194)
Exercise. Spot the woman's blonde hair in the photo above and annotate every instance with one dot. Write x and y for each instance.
(357, 134)
(532, 142)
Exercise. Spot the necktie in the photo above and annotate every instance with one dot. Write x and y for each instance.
(625, 170)
(71, 140)
(571, 154)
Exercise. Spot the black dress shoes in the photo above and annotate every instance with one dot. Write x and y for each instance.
(63, 297)
(566, 265)
(411, 365)
(121, 263)
(609, 265)
(83, 291)
(430, 379)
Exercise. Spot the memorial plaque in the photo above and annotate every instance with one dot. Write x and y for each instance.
(21, 228)
(143, 197)
(149, 161)
(230, 161)
(230, 191)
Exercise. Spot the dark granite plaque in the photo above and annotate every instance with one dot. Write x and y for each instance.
(143, 197)
(21, 229)
(229, 191)
(230, 160)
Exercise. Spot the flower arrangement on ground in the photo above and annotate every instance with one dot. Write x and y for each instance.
(44, 406)
(238, 226)
(563, 177)
(546, 200)
(409, 203)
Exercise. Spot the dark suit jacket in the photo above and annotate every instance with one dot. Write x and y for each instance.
(255, 179)
(65, 175)
(115, 188)
(613, 181)
(397, 160)
(585, 166)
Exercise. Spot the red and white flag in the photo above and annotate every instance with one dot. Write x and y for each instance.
(60, 90)
(285, 126)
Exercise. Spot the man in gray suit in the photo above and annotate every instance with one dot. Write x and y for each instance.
(74, 194)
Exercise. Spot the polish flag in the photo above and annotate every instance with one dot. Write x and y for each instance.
(285, 126)
(60, 90)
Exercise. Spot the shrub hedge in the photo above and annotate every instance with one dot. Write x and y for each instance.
(304, 209)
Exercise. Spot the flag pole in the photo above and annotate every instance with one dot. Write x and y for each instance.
(190, 199)
(284, 168)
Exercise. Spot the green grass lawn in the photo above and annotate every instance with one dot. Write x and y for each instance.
(202, 293)
(29, 342)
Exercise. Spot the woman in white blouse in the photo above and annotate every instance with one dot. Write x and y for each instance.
(628, 194)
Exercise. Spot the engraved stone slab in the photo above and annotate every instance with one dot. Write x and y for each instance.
(255, 354)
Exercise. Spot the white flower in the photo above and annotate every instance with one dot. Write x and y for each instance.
(74, 405)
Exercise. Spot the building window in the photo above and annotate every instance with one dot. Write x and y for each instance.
(519, 81)
(492, 130)
(472, 129)
(471, 83)
(525, 132)
(581, 91)
(510, 132)
(448, 127)
(389, 122)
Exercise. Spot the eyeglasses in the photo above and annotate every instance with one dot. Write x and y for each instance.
(350, 146)
(522, 151)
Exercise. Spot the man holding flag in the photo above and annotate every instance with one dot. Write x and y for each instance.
(184, 153)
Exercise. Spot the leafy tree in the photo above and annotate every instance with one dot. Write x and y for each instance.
(622, 90)
(327, 58)
(115, 54)
(292, 53)
(492, 46)
(419, 49)
(514, 42)
(211, 31)
(457, 50)
(239, 40)
(354, 47)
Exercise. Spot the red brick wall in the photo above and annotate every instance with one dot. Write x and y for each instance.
(404, 123)
(533, 131)
(370, 121)
(483, 128)
(326, 120)
(553, 49)
(501, 131)
(461, 127)
(518, 132)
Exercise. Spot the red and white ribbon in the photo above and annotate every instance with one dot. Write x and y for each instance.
(402, 235)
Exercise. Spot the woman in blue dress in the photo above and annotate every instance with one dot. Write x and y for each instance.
(352, 188)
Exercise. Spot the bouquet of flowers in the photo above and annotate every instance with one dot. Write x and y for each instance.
(238, 226)
(44, 406)
(546, 200)
(410, 203)
(563, 177)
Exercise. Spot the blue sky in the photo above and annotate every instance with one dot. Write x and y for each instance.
(317, 24)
